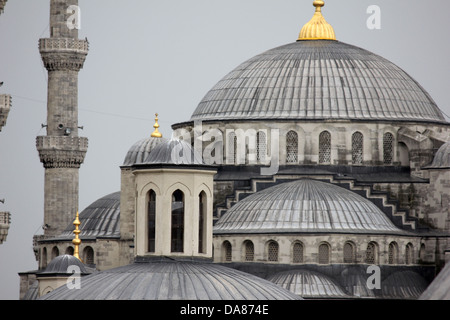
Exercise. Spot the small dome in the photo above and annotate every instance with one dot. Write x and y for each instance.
(174, 151)
(60, 265)
(442, 157)
(403, 285)
(304, 206)
(141, 149)
(99, 219)
(173, 280)
(439, 289)
(308, 284)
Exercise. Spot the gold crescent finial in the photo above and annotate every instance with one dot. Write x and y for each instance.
(77, 241)
(156, 133)
(317, 28)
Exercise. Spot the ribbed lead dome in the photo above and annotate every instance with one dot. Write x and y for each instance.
(316, 80)
(442, 157)
(173, 280)
(141, 149)
(304, 206)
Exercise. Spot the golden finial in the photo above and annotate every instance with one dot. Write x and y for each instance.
(317, 28)
(156, 133)
(77, 241)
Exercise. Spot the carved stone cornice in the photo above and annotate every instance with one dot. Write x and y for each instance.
(5, 106)
(63, 53)
(61, 151)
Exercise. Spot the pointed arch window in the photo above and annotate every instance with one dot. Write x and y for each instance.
(357, 148)
(324, 253)
(177, 236)
(372, 253)
(409, 256)
(388, 148)
(349, 252)
(151, 211)
(292, 147)
(227, 251)
(325, 147)
(249, 251)
(272, 251)
(393, 253)
(297, 253)
(88, 254)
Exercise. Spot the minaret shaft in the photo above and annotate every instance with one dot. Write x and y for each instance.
(62, 151)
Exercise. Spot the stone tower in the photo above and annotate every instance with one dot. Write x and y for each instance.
(62, 151)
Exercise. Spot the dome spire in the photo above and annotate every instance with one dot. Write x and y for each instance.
(76, 241)
(156, 133)
(317, 28)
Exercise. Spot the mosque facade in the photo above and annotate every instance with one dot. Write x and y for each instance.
(312, 166)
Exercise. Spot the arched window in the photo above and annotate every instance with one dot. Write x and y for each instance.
(151, 211)
(249, 253)
(202, 222)
(324, 253)
(227, 257)
(272, 250)
(372, 253)
(70, 250)
(325, 147)
(409, 254)
(393, 253)
(297, 253)
(44, 258)
(349, 252)
(232, 147)
(55, 252)
(88, 255)
(261, 146)
(357, 148)
(422, 252)
(177, 243)
(292, 147)
(388, 148)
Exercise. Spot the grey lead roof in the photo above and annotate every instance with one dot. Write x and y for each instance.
(304, 206)
(101, 219)
(318, 80)
(442, 157)
(172, 280)
(174, 151)
(140, 150)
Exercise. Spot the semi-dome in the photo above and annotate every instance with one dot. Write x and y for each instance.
(304, 206)
(442, 157)
(308, 284)
(167, 279)
(317, 80)
(174, 151)
(100, 219)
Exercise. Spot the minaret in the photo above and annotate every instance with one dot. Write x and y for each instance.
(61, 151)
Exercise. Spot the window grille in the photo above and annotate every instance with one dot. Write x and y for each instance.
(325, 147)
(371, 253)
(292, 147)
(89, 255)
(388, 148)
(227, 251)
(261, 147)
(151, 221)
(177, 244)
(324, 254)
(392, 253)
(249, 251)
(349, 253)
(297, 254)
(357, 148)
(273, 251)
(232, 147)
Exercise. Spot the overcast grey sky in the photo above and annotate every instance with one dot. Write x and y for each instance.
(163, 56)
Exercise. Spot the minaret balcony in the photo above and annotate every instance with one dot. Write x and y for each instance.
(63, 53)
(61, 151)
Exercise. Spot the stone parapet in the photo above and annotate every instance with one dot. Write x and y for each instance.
(63, 53)
(5, 106)
(5, 222)
(61, 151)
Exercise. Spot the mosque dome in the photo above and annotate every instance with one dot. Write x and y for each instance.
(99, 219)
(168, 279)
(304, 206)
(60, 265)
(308, 284)
(318, 78)
(174, 151)
(140, 150)
(442, 157)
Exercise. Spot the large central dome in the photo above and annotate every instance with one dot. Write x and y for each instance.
(318, 80)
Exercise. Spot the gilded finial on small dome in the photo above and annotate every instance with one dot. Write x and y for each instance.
(77, 241)
(317, 28)
(156, 133)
